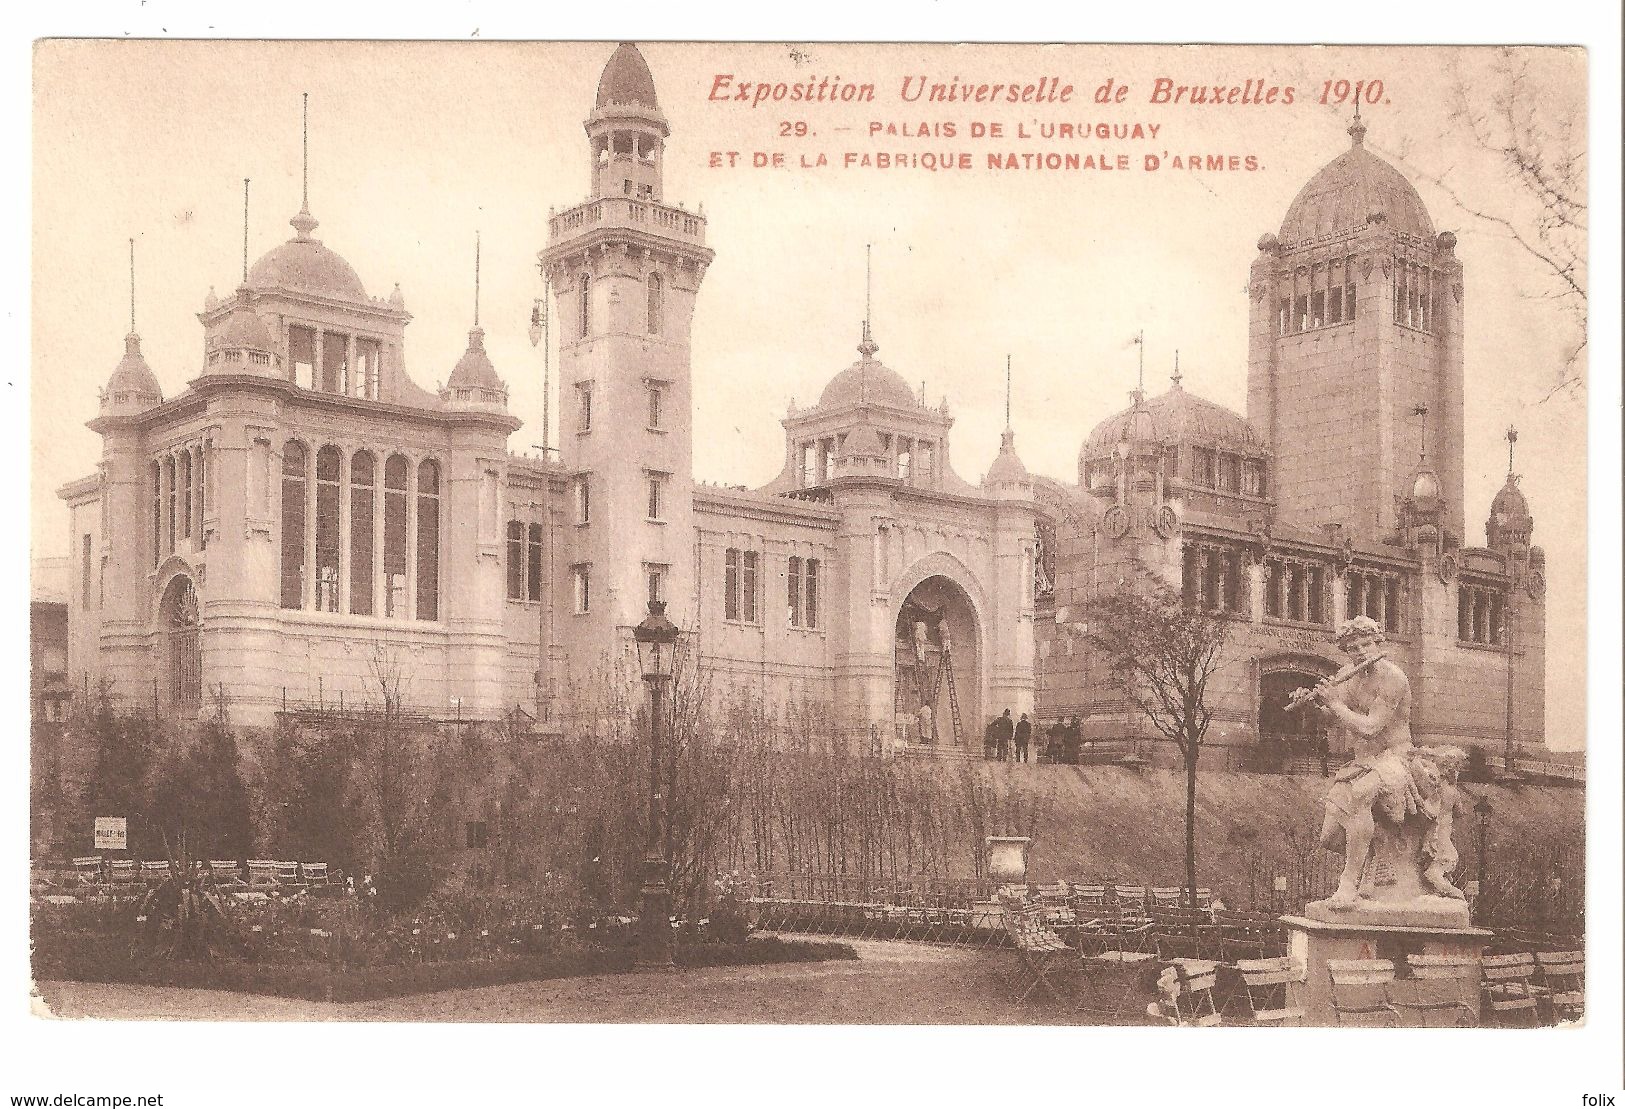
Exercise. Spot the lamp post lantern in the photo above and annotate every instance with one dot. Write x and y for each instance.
(1482, 809)
(656, 638)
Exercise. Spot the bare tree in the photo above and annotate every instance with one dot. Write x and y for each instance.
(1162, 654)
(1510, 112)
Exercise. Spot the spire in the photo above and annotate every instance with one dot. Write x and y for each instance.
(1512, 436)
(245, 231)
(1357, 128)
(476, 277)
(1421, 411)
(867, 347)
(132, 286)
(1176, 378)
(304, 223)
(1139, 390)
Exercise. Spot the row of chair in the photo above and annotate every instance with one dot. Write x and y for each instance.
(1510, 990)
(94, 870)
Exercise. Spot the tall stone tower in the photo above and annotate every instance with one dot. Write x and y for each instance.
(1356, 322)
(626, 268)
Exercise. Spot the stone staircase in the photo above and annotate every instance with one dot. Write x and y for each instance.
(945, 752)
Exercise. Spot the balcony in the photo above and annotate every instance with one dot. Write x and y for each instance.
(627, 213)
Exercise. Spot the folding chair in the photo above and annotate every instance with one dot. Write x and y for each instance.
(154, 871)
(1442, 984)
(1360, 989)
(1268, 985)
(287, 873)
(225, 872)
(261, 872)
(1185, 994)
(1039, 948)
(314, 874)
(123, 871)
(1055, 900)
(1562, 980)
(1508, 988)
(87, 869)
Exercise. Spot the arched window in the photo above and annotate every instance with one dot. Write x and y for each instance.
(361, 532)
(157, 512)
(655, 292)
(516, 560)
(584, 307)
(328, 464)
(185, 480)
(293, 524)
(169, 503)
(395, 473)
(428, 540)
(533, 564)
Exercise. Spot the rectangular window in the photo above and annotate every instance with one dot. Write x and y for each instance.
(516, 560)
(533, 562)
(583, 406)
(335, 361)
(1317, 598)
(84, 570)
(1252, 477)
(809, 464)
(657, 496)
(1300, 313)
(794, 591)
(1205, 465)
(1334, 305)
(747, 587)
(655, 392)
(730, 584)
(581, 582)
(1317, 308)
(364, 373)
(1190, 578)
(302, 356)
(654, 577)
(583, 501)
(1283, 316)
(922, 464)
(1274, 588)
(809, 609)
(1390, 611)
(185, 479)
(395, 472)
(361, 533)
(1232, 584)
(905, 458)
(327, 530)
(1229, 468)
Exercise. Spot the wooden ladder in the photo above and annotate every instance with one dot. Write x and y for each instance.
(945, 669)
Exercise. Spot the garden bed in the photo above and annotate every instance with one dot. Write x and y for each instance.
(314, 981)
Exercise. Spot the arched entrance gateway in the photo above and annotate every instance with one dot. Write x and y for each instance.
(938, 666)
(180, 624)
(1285, 732)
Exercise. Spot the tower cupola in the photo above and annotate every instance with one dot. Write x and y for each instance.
(626, 130)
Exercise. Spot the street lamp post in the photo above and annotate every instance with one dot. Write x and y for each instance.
(655, 637)
(1482, 809)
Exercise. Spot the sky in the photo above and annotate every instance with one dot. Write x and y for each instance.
(414, 147)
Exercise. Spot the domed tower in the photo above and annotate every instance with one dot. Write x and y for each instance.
(1356, 312)
(133, 387)
(1510, 525)
(626, 268)
(238, 342)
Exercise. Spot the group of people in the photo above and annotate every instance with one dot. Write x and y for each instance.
(1005, 737)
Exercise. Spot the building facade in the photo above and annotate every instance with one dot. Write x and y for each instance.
(304, 524)
(1340, 493)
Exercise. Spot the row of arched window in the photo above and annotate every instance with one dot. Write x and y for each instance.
(180, 486)
(655, 295)
(349, 546)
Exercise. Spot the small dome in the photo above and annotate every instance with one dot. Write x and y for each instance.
(133, 384)
(1176, 417)
(1351, 190)
(304, 265)
(867, 382)
(1426, 498)
(1510, 504)
(243, 329)
(1007, 467)
(626, 79)
(474, 369)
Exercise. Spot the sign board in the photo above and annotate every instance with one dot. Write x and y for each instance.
(110, 833)
(1280, 883)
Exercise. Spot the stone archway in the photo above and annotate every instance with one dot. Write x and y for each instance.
(1290, 732)
(937, 661)
(180, 626)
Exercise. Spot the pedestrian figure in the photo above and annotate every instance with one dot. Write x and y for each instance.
(1024, 738)
(1005, 730)
(990, 739)
(1073, 739)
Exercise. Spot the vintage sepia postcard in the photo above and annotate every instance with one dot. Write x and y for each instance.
(832, 533)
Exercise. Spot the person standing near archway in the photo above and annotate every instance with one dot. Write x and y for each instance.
(1024, 738)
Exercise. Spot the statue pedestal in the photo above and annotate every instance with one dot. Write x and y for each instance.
(1313, 942)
